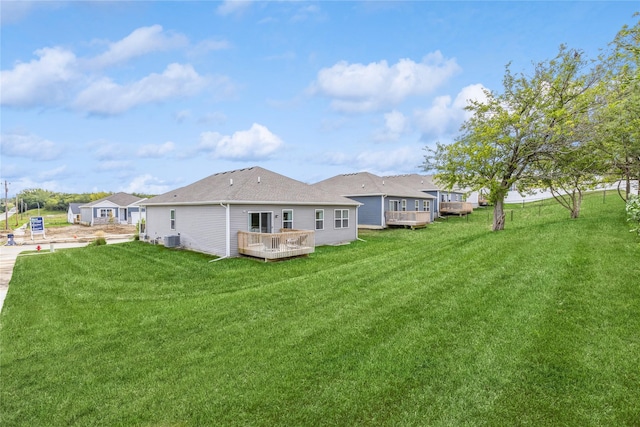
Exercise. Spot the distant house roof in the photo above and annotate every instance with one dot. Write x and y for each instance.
(120, 199)
(75, 208)
(419, 182)
(368, 184)
(248, 186)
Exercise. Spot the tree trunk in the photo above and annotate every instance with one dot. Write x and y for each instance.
(577, 203)
(498, 215)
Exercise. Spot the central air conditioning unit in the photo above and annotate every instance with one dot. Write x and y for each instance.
(171, 241)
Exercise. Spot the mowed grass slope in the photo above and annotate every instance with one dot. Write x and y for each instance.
(449, 325)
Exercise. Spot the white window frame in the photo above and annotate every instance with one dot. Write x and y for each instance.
(404, 205)
(426, 205)
(320, 221)
(269, 226)
(341, 221)
(417, 205)
(287, 221)
(172, 219)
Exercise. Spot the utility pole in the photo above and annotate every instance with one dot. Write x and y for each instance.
(6, 206)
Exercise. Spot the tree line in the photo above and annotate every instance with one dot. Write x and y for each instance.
(567, 126)
(54, 201)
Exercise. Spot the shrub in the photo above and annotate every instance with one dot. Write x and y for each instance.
(633, 213)
(100, 238)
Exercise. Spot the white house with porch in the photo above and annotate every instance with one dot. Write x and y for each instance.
(118, 208)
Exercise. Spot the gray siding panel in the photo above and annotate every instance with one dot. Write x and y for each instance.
(370, 213)
(201, 228)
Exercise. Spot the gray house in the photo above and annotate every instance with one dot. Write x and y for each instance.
(118, 208)
(445, 201)
(384, 202)
(73, 213)
(250, 211)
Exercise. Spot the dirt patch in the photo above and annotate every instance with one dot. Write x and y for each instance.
(74, 233)
(78, 231)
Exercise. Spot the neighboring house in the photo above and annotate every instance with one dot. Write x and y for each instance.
(73, 213)
(446, 201)
(384, 202)
(250, 211)
(118, 208)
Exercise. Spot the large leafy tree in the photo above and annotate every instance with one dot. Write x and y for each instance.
(510, 131)
(618, 113)
(575, 164)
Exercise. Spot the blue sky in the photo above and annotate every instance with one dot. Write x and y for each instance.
(149, 96)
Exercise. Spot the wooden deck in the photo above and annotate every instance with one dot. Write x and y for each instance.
(456, 208)
(413, 219)
(272, 246)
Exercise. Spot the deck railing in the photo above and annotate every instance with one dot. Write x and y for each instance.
(456, 207)
(410, 218)
(285, 244)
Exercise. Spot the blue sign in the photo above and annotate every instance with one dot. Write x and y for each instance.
(37, 224)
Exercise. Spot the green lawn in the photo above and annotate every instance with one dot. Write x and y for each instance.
(451, 325)
(51, 219)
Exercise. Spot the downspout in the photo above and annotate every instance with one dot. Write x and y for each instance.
(358, 228)
(227, 233)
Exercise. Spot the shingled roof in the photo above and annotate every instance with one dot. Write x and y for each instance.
(368, 184)
(120, 199)
(248, 186)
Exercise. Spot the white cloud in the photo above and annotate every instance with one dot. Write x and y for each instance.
(182, 115)
(307, 12)
(114, 165)
(140, 42)
(28, 146)
(396, 124)
(216, 118)
(106, 151)
(147, 184)
(444, 117)
(229, 7)
(360, 88)
(156, 150)
(42, 81)
(253, 144)
(106, 97)
(47, 175)
(15, 11)
(207, 46)
(382, 162)
(387, 162)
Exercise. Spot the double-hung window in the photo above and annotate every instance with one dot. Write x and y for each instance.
(341, 217)
(319, 219)
(287, 218)
(172, 219)
(404, 205)
(417, 205)
(426, 205)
